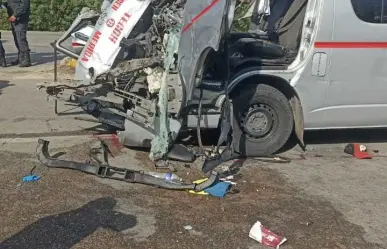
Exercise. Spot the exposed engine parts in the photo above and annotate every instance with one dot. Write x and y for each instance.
(137, 72)
(154, 69)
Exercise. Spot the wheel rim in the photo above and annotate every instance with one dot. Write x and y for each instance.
(258, 121)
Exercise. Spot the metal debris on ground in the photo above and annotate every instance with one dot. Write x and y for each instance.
(265, 236)
(111, 139)
(119, 174)
(162, 164)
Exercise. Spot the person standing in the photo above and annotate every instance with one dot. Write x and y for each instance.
(19, 16)
(3, 62)
(277, 11)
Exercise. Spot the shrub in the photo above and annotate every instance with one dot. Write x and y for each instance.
(57, 15)
(241, 24)
(52, 15)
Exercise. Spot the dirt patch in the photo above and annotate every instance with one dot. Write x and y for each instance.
(60, 210)
(143, 157)
(264, 195)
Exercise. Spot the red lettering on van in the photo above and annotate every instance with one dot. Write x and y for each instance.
(90, 48)
(119, 27)
(117, 4)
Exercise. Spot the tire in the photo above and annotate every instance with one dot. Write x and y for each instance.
(263, 120)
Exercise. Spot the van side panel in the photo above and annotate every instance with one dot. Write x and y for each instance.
(312, 83)
(357, 82)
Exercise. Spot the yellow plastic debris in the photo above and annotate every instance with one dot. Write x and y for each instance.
(69, 62)
(72, 63)
(200, 192)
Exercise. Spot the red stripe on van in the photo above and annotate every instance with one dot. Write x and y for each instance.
(350, 44)
(74, 44)
(198, 16)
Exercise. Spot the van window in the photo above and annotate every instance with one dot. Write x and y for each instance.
(372, 11)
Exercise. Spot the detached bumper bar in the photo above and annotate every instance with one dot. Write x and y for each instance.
(115, 173)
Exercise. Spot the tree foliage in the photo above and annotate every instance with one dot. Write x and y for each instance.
(241, 24)
(52, 15)
(57, 15)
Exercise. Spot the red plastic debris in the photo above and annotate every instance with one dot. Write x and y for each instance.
(357, 150)
(265, 236)
(113, 142)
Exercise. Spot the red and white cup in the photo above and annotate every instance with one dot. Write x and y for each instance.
(265, 236)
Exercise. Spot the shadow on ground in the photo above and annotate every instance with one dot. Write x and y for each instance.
(37, 58)
(339, 137)
(346, 136)
(210, 137)
(65, 230)
(4, 84)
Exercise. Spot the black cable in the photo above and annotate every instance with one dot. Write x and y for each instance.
(198, 130)
(227, 75)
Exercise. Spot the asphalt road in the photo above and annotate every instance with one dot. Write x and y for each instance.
(322, 199)
(41, 51)
(25, 111)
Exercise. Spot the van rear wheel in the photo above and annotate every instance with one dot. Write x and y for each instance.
(263, 120)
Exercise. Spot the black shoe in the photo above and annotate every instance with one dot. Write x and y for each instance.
(3, 62)
(17, 61)
(25, 60)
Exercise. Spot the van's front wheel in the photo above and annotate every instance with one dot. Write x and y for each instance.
(263, 120)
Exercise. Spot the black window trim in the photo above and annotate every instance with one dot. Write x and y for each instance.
(383, 19)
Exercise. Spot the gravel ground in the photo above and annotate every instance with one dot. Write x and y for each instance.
(67, 209)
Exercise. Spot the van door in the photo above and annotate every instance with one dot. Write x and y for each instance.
(204, 27)
(357, 92)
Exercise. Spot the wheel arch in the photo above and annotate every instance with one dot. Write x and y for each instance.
(191, 77)
(280, 84)
(200, 63)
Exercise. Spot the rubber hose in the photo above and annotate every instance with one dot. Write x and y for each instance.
(198, 130)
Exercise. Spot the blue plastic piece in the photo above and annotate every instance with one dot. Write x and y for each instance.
(31, 178)
(218, 189)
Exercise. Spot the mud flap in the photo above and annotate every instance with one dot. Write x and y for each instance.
(115, 173)
(298, 120)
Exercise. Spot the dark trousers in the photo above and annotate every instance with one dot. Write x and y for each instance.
(19, 32)
(276, 12)
(2, 51)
